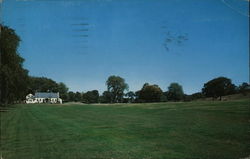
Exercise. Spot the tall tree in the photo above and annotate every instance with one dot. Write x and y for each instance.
(218, 87)
(116, 86)
(150, 93)
(175, 92)
(13, 77)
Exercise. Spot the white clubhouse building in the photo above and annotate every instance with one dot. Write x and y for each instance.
(43, 97)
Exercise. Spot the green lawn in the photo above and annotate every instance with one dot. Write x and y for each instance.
(203, 130)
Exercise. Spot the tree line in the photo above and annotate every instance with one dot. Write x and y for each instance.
(15, 83)
(117, 92)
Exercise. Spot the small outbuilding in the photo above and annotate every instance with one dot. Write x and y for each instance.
(43, 97)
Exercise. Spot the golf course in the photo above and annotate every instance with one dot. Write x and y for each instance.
(170, 130)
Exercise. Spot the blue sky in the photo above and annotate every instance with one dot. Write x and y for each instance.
(83, 42)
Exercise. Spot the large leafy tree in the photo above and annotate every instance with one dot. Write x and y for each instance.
(116, 86)
(175, 92)
(13, 77)
(218, 87)
(150, 93)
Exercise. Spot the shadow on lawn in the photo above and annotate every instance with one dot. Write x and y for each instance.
(6, 108)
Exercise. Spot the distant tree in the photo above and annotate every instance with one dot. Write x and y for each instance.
(84, 98)
(175, 92)
(197, 95)
(131, 96)
(164, 97)
(78, 97)
(116, 86)
(13, 77)
(150, 93)
(91, 97)
(187, 98)
(218, 87)
(71, 96)
(42, 84)
(63, 90)
(244, 88)
(106, 97)
(95, 96)
(137, 95)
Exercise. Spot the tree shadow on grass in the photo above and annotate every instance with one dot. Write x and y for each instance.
(6, 108)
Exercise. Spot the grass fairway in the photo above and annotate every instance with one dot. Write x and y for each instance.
(215, 130)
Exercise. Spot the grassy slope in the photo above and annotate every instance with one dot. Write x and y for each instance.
(166, 130)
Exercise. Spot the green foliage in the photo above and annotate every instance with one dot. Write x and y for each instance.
(175, 92)
(15, 82)
(197, 95)
(13, 77)
(63, 90)
(71, 96)
(150, 93)
(91, 96)
(194, 96)
(43, 84)
(218, 87)
(74, 96)
(244, 88)
(116, 86)
(131, 96)
(106, 97)
(78, 97)
(163, 98)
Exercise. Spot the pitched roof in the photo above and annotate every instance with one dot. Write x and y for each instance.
(46, 95)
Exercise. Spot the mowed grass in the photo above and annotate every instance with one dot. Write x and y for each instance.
(215, 130)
